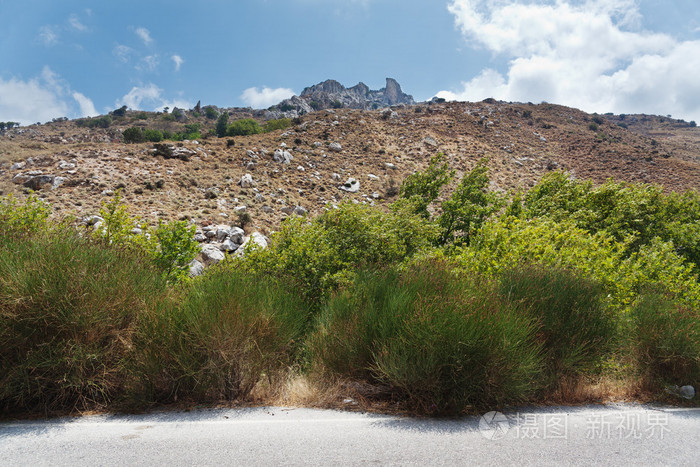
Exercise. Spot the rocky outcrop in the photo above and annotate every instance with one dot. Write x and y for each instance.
(331, 94)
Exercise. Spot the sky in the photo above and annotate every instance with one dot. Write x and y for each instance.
(75, 58)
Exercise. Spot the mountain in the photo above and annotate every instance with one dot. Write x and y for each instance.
(330, 94)
(307, 165)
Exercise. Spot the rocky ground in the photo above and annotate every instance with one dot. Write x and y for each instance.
(312, 164)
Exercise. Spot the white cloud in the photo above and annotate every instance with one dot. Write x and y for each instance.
(48, 35)
(144, 35)
(87, 108)
(260, 99)
(589, 55)
(76, 24)
(41, 99)
(122, 52)
(148, 63)
(150, 97)
(178, 61)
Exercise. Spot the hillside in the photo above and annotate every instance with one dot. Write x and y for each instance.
(76, 168)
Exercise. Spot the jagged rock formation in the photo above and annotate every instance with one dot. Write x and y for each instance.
(331, 94)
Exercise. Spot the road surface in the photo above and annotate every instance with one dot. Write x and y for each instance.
(608, 435)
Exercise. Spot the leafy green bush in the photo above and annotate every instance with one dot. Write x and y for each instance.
(67, 308)
(278, 124)
(438, 343)
(228, 330)
(321, 254)
(175, 249)
(573, 326)
(96, 122)
(468, 208)
(210, 113)
(422, 188)
(23, 216)
(666, 340)
(222, 124)
(153, 136)
(133, 135)
(245, 126)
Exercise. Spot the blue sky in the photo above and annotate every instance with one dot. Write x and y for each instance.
(74, 58)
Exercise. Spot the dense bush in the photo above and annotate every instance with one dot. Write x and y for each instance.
(574, 327)
(666, 338)
(133, 135)
(438, 343)
(96, 122)
(67, 308)
(278, 124)
(218, 341)
(246, 126)
(321, 254)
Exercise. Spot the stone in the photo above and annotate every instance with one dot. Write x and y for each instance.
(236, 235)
(19, 179)
(246, 181)
(63, 165)
(259, 198)
(57, 181)
(196, 268)
(300, 168)
(372, 177)
(430, 141)
(222, 232)
(255, 240)
(92, 220)
(36, 182)
(18, 166)
(229, 246)
(200, 237)
(300, 211)
(351, 186)
(390, 166)
(212, 254)
(284, 157)
(687, 392)
(335, 147)
(211, 193)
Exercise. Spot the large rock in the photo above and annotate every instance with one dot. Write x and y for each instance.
(212, 254)
(246, 181)
(335, 147)
(236, 235)
(282, 156)
(196, 268)
(36, 182)
(255, 240)
(351, 186)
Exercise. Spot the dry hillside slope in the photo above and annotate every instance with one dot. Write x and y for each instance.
(83, 167)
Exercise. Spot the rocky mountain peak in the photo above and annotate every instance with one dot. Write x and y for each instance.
(332, 94)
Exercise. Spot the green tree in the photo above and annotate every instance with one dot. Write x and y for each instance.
(222, 124)
(422, 188)
(468, 207)
(133, 135)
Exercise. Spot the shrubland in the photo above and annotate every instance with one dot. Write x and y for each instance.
(453, 298)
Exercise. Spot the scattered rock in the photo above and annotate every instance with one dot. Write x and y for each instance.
(430, 141)
(335, 147)
(196, 268)
(300, 211)
(246, 181)
(284, 157)
(372, 177)
(36, 182)
(212, 254)
(211, 193)
(351, 186)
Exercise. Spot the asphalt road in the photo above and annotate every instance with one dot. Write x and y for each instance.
(592, 435)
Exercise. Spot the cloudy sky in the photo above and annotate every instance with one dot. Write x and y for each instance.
(76, 57)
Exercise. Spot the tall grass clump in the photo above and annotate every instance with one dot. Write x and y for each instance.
(67, 312)
(440, 344)
(666, 340)
(573, 326)
(229, 329)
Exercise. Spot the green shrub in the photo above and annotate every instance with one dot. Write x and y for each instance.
(667, 340)
(120, 112)
(593, 127)
(422, 188)
(278, 124)
(468, 208)
(228, 330)
(96, 122)
(324, 253)
(210, 113)
(438, 343)
(222, 124)
(175, 249)
(246, 126)
(21, 217)
(133, 135)
(142, 116)
(573, 326)
(153, 136)
(67, 309)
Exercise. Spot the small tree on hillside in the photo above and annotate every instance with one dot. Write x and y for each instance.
(222, 124)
